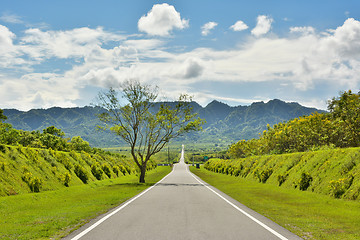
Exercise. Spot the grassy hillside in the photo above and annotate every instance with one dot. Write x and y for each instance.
(333, 172)
(24, 169)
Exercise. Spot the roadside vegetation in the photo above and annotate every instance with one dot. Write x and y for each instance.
(54, 214)
(334, 172)
(340, 128)
(305, 213)
(304, 174)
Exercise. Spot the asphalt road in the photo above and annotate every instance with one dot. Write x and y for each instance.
(182, 207)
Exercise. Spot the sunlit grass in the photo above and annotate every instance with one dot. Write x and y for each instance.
(55, 213)
(307, 214)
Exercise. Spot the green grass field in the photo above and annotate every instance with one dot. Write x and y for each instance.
(54, 214)
(307, 214)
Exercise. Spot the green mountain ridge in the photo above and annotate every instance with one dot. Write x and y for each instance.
(224, 124)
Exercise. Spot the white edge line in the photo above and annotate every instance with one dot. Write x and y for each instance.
(117, 210)
(242, 211)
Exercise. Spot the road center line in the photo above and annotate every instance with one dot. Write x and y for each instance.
(117, 210)
(240, 210)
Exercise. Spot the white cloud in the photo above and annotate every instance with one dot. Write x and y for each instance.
(11, 18)
(302, 30)
(239, 26)
(263, 25)
(207, 27)
(299, 62)
(78, 42)
(161, 20)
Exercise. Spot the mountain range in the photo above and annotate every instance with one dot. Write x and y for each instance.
(224, 124)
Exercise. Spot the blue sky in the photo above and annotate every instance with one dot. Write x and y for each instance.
(62, 53)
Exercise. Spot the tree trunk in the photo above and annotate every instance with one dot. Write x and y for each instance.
(142, 173)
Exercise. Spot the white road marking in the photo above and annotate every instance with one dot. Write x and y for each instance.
(240, 210)
(117, 210)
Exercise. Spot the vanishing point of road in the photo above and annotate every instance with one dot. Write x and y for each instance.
(181, 206)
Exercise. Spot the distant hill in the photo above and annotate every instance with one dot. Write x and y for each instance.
(224, 124)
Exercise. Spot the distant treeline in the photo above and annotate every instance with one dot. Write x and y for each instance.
(50, 137)
(340, 127)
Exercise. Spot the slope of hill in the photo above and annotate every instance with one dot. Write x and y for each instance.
(224, 124)
(25, 169)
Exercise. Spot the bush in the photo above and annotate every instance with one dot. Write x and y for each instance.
(2, 166)
(305, 181)
(281, 178)
(97, 171)
(34, 183)
(264, 175)
(81, 173)
(66, 178)
(340, 186)
(106, 168)
(116, 170)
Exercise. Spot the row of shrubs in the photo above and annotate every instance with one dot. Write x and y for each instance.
(333, 172)
(24, 169)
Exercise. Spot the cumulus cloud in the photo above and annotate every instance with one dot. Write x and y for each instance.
(161, 20)
(263, 25)
(207, 27)
(239, 26)
(299, 62)
(78, 42)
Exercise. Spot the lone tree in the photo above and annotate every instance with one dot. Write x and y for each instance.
(146, 128)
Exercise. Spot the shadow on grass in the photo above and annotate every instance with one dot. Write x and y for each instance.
(129, 185)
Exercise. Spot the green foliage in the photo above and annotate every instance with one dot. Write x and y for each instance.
(78, 144)
(97, 171)
(116, 170)
(144, 128)
(34, 183)
(340, 186)
(339, 128)
(66, 178)
(107, 170)
(305, 181)
(2, 116)
(264, 175)
(282, 178)
(2, 166)
(81, 173)
(334, 172)
(26, 169)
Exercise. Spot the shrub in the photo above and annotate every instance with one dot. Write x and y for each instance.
(281, 178)
(81, 173)
(347, 166)
(2, 166)
(97, 171)
(340, 186)
(305, 181)
(106, 168)
(116, 170)
(34, 183)
(264, 175)
(66, 178)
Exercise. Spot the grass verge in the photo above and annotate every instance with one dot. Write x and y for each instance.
(307, 214)
(54, 214)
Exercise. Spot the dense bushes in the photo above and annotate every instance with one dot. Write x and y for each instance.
(334, 172)
(338, 128)
(25, 169)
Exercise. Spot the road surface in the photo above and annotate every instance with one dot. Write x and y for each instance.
(182, 207)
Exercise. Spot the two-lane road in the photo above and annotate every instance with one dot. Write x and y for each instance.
(182, 207)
